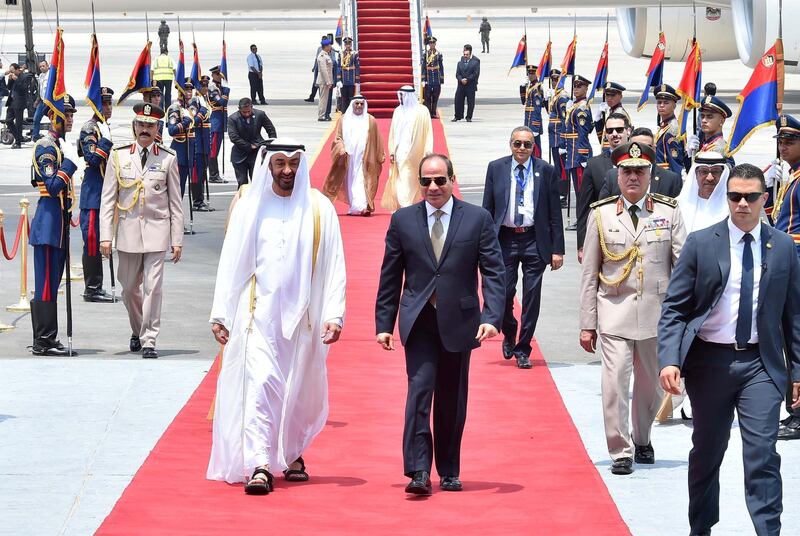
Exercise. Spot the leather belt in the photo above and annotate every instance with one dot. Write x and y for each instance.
(732, 346)
(517, 230)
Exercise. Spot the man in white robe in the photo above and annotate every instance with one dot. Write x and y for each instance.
(279, 301)
(410, 139)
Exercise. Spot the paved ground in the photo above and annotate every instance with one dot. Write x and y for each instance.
(92, 419)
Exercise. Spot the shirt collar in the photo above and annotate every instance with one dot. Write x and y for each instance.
(139, 148)
(528, 164)
(447, 208)
(640, 203)
(737, 234)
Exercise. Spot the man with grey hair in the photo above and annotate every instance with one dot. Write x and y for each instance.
(521, 194)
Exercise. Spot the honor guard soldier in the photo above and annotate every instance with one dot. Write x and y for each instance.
(632, 244)
(533, 99)
(713, 113)
(202, 146)
(575, 138)
(612, 103)
(52, 175)
(349, 73)
(94, 145)
(218, 95)
(556, 109)
(432, 76)
(143, 188)
(670, 153)
(179, 126)
(152, 95)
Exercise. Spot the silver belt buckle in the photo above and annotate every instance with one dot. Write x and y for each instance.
(736, 347)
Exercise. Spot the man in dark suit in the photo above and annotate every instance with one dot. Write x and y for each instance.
(468, 69)
(729, 315)
(617, 130)
(664, 181)
(429, 276)
(521, 194)
(244, 130)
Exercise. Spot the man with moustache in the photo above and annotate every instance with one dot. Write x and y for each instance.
(244, 129)
(468, 69)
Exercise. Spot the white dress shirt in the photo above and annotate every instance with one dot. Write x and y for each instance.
(527, 196)
(445, 219)
(720, 326)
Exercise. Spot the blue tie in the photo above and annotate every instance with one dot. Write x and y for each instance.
(744, 322)
(520, 201)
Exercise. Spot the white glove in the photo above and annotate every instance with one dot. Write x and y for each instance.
(604, 107)
(597, 114)
(692, 143)
(778, 171)
(583, 165)
(105, 130)
(339, 85)
(548, 93)
(69, 150)
(570, 104)
(562, 150)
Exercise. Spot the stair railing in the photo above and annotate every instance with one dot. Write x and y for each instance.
(417, 46)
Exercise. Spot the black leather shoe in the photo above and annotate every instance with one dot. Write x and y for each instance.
(98, 297)
(203, 207)
(420, 484)
(135, 344)
(791, 430)
(508, 348)
(309, 100)
(645, 454)
(216, 179)
(453, 120)
(450, 483)
(149, 353)
(622, 466)
(524, 362)
(571, 227)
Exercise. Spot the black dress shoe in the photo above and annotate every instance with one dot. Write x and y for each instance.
(524, 362)
(450, 483)
(622, 466)
(453, 120)
(645, 454)
(216, 179)
(469, 120)
(571, 227)
(309, 100)
(98, 297)
(135, 344)
(44, 349)
(149, 353)
(790, 430)
(203, 207)
(508, 348)
(420, 484)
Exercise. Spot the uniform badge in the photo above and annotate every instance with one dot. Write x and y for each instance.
(147, 109)
(581, 121)
(674, 153)
(783, 121)
(635, 151)
(156, 187)
(49, 169)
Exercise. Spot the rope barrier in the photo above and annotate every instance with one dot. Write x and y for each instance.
(6, 254)
(76, 222)
(23, 305)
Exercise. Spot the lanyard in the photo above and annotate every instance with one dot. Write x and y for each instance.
(524, 182)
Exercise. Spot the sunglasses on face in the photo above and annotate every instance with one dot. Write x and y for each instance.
(426, 181)
(519, 143)
(751, 197)
(618, 130)
(714, 170)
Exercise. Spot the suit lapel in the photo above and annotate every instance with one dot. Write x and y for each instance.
(422, 221)
(506, 186)
(766, 250)
(537, 183)
(723, 250)
(452, 229)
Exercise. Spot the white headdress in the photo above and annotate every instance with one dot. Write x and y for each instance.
(699, 213)
(355, 128)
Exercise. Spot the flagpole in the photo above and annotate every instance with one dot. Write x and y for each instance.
(226, 113)
(575, 62)
(94, 28)
(781, 74)
(525, 35)
(694, 41)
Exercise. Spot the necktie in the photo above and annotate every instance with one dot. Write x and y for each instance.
(520, 198)
(633, 209)
(437, 234)
(144, 157)
(260, 65)
(744, 322)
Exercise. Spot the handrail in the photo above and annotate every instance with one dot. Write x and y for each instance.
(417, 52)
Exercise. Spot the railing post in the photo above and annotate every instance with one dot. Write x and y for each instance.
(24, 304)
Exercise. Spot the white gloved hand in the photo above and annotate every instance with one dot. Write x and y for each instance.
(583, 165)
(548, 93)
(105, 130)
(597, 114)
(570, 104)
(778, 171)
(339, 85)
(562, 150)
(604, 107)
(69, 150)
(692, 143)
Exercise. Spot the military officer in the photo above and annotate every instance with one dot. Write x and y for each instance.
(152, 95)
(432, 76)
(198, 108)
(485, 30)
(575, 138)
(557, 100)
(180, 128)
(713, 113)
(349, 74)
(612, 103)
(143, 187)
(218, 95)
(532, 98)
(632, 243)
(670, 153)
(52, 176)
(94, 145)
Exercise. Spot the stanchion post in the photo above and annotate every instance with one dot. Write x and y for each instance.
(24, 304)
(4, 327)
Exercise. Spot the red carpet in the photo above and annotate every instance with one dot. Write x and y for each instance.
(524, 468)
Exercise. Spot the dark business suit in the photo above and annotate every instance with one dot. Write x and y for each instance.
(594, 178)
(664, 182)
(438, 341)
(243, 135)
(470, 70)
(719, 380)
(532, 249)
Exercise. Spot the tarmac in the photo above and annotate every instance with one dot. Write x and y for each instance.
(73, 431)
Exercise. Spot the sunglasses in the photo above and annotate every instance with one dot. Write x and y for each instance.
(714, 170)
(519, 143)
(426, 181)
(618, 130)
(751, 197)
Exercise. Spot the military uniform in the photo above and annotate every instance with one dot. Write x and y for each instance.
(148, 94)
(52, 176)
(147, 199)
(433, 77)
(218, 95)
(575, 139)
(670, 153)
(626, 270)
(484, 30)
(94, 149)
(786, 211)
(533, 99)
(349, 75)
(715, 142)
(180, 127)
(201, 125)
(600, 124)
(557, 110)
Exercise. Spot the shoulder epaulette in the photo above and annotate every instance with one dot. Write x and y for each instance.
(166, 149)
(122, 147)
(665, 199)
(605, 201)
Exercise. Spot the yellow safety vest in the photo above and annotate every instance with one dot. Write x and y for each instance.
(164, 69)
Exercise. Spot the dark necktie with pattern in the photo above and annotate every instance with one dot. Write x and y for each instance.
(633, 209)
(520, 197)
(744, 322)
(144, 157)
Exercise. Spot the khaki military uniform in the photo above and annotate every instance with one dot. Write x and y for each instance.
(624, 280)
(148, 204)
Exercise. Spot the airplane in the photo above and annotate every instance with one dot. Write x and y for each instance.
(728, 29)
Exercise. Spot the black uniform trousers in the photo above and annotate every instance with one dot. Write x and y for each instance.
(438, 376)
(463, 92)
(520, 249)
(346, 94)
(14, 118)
(432, 98)
(719, 381)
(256, 87)
(244, 170)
